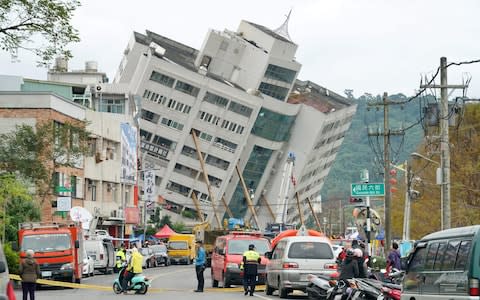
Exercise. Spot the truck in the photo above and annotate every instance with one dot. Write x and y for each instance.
(181, 248)
(203, 232)
(58, 249)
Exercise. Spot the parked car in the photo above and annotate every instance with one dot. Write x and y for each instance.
(444, 265)
(88, 266)
(293, 258)
(161, 254)
(5, 283)
(149, 260)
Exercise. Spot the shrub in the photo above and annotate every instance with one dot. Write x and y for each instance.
(13, 258)
(378, 262)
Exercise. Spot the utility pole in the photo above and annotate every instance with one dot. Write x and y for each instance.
(387, 132)
(444, 141)
(406, 213)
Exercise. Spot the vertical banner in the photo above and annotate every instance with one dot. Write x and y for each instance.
(129, 154)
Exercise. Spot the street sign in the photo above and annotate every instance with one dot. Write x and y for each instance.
(62, 189)
(149, 185)
(367, 189)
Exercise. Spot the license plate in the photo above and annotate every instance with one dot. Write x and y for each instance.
(46, 274)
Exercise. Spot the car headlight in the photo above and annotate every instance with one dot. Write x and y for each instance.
(68, 266)
(232, 266)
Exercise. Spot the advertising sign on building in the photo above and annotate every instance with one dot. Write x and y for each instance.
(129, 154)
(149, 185)
(132, 215)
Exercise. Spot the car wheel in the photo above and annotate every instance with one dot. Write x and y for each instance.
(282, 292)
(268, 289)
(226, 281)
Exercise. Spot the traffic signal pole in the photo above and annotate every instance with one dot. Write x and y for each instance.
(365, 179)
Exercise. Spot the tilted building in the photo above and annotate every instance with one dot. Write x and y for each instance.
(239, 94)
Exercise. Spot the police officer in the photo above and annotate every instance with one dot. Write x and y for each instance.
(251, 259)
(121, 258)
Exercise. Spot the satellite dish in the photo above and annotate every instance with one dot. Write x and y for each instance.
(82, 215)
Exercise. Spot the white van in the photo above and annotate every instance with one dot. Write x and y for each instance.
(293, 258)
(103, 254)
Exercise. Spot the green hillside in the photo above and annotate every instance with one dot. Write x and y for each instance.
(359, 151)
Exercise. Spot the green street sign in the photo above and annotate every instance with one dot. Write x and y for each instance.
(62, 189)
(367, 189)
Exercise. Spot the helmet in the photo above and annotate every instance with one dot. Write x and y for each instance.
(350, 252)
(357, 253)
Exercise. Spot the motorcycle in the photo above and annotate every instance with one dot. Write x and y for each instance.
(323, 288)
(139, 283)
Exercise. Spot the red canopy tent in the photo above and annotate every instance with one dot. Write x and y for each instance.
(164, 232)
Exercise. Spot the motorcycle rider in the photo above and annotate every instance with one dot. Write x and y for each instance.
(349, 266)
(362, 266)
(134, 268)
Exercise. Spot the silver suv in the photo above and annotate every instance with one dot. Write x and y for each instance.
(293, 258)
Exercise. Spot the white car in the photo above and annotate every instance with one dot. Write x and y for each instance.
(88, 266)
(337, 249)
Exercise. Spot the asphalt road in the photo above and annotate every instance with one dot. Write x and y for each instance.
(173, 282)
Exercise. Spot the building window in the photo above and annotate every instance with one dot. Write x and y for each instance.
(112, 106)
(225, 145)
(162, 79)
(205, 136)
(274, 91)
(187, 88)
(215, 99)
(147, 136)
(171, 123)
(240, 109)
(150, 116)
(279, 73)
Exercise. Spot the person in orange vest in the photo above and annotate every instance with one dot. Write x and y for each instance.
(251, 260)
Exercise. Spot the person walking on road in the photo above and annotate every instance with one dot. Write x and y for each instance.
(251, 260)
(29, 272)
(200, 266)
(393, 259)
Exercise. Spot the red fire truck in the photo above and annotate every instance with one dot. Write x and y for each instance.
(58, 249)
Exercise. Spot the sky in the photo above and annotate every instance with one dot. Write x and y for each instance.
(370, 46)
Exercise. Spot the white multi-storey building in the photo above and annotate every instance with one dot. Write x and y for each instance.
(240, 95)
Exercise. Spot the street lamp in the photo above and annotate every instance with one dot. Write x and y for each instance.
(415, 154)
(439, 181)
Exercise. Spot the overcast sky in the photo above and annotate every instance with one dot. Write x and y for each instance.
(370, 46)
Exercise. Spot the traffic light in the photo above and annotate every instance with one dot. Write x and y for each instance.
(356, 200)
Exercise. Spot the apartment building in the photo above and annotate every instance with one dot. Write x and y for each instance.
(100, 185)
(239, 94)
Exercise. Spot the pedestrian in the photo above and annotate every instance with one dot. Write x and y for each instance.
(393, 259)
(350, 267)
(29, 272)
(200, 266)
(251, 260)
(134, 267)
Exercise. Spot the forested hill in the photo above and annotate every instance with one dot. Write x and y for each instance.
(361, 151)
